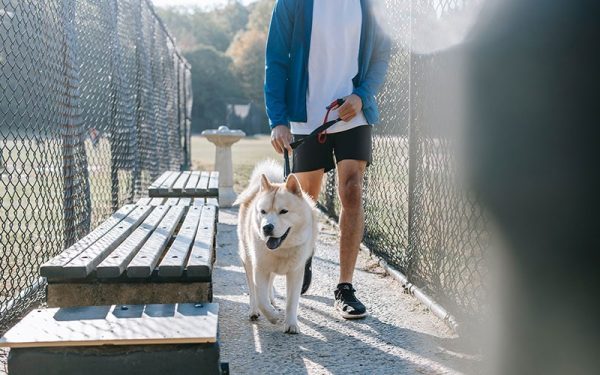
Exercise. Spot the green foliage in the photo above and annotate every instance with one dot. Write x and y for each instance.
(214, 85)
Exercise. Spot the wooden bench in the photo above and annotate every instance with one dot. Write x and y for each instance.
(186, 201)
(119, 339)
(186, 184)
(142, 254)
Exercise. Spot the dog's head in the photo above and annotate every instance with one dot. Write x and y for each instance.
(281, 212)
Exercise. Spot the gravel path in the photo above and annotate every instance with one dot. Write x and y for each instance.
(400, 336)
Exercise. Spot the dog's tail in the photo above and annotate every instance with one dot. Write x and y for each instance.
(270, 168)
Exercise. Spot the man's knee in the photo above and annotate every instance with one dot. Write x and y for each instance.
(350, 192)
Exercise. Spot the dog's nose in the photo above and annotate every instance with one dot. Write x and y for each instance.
(268, 229)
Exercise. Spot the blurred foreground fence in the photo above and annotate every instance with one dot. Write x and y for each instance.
(95, 102)
(419, 217)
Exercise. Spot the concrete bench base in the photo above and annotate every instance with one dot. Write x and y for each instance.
(101, 360)
(97, 293)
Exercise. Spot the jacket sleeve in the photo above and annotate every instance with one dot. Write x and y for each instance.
(277, 62)
(378, 67)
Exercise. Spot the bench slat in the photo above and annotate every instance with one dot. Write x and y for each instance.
(146, 259)
(160, 180)
(118, 325)
(157, 201)
(116, 263)
(212, 201)
(213, 184)
(185, 201)
(199, 202)
(144, 201)
(174, 260)
(201, 257)
(84, 263)
(202, 186)
(54, 267)
(179, 185)
(171, 202)
(190, 186)
(167, 184)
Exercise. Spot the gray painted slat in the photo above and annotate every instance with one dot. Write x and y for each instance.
(144, 201)
(84, 263)
(174, 260)
(202, 186)
(167, 184)
(54, 267)
(213, 184)
(201, 257)
(146, 259)
(187, 201)
(157, 201)
(199, 201)
(160, 180)
(116, 263)
(212, 201)
(179, 184)
(172, 202)
(190, 186)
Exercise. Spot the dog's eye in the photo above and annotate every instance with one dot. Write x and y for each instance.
(263, 212)
(283, 212)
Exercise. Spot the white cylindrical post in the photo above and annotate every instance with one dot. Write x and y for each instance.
(223, 138)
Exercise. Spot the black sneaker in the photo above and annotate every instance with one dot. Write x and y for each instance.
(307, 276)
(347, 304)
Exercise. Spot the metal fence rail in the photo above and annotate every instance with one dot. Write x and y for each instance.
(419, 217)
(95, 102)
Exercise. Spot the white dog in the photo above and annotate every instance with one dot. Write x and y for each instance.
(277, 230)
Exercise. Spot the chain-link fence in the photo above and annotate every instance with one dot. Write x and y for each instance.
(418, 215)
(95, 102)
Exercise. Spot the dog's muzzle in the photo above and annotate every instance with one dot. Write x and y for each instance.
(274, 242)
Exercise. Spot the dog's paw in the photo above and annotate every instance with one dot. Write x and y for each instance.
(253, 316)
(291, 328)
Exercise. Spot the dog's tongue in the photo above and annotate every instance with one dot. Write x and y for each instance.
(273, 242)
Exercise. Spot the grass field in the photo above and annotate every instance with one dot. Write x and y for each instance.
(245, 153)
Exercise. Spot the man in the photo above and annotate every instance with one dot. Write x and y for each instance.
(319, 51)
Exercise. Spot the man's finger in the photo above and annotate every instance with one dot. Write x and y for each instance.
(285, 144)
(276, 146)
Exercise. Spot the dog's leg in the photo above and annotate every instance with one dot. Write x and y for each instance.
(253, 314)
(261, 280)
(294, 286)
(272, 290)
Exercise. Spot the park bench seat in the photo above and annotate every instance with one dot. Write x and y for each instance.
(118, 339)
(173, 201)
(186, 184)
(141, 254)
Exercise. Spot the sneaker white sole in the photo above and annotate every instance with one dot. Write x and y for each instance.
(345, 315)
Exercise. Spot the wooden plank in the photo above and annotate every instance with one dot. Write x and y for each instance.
(182, 323)
(172, 202)
(190, 186)
(199, 202)
(146, 259)
(160, 180)
(157, 201)
(116, 263)
(201, 257)
(187, 201)
(213, 184)
(144, 201)
(167, 185)
(212, 201)
(179, 185)
(54, 267)
(84, 263)
(174, 260)
(202, 186)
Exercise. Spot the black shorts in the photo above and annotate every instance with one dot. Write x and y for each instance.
(353, 144)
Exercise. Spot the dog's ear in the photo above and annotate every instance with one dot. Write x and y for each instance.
(265, 184)
(293, 185)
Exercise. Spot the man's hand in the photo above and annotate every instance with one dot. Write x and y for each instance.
(281, 136)
(351, 107)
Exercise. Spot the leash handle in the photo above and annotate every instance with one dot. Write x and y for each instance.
(286, 164)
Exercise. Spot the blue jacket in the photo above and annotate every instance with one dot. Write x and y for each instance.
(286, 68)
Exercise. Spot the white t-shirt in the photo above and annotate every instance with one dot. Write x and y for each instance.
(332, 63)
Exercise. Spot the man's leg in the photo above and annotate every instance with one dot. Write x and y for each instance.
(311, 182)
(352, 218)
